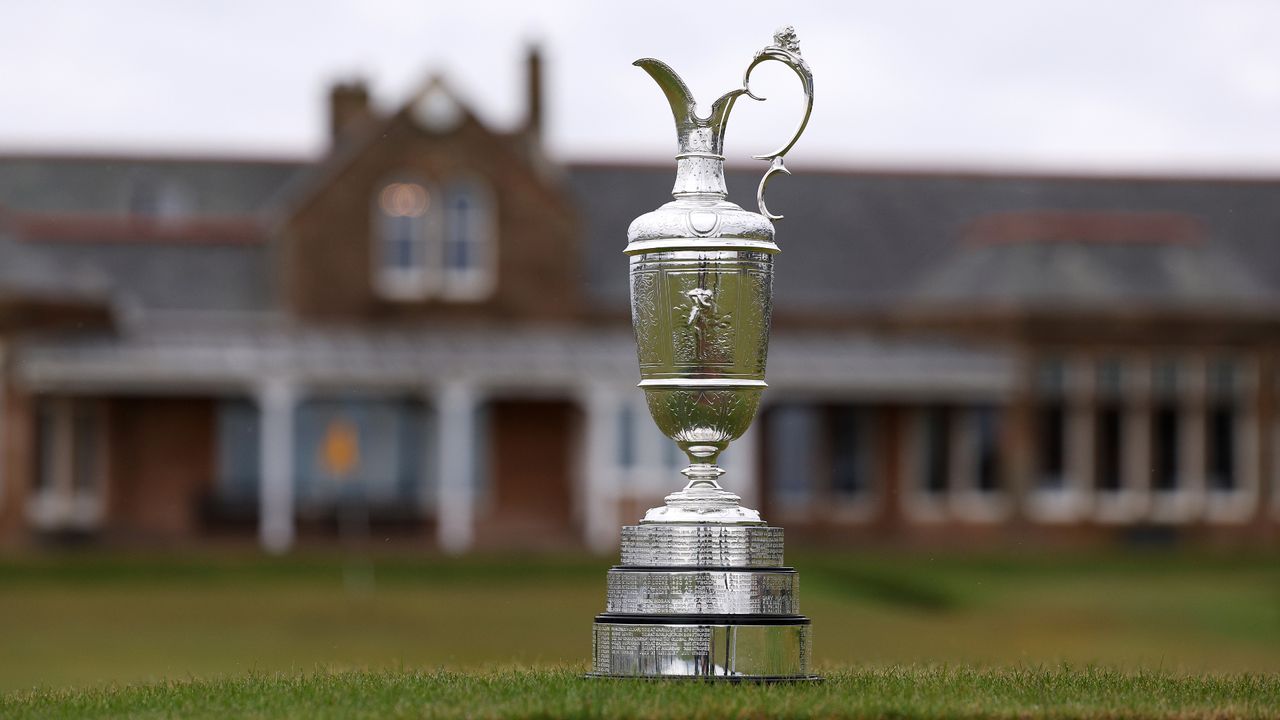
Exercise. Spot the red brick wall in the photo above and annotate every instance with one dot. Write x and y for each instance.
(16, 447)
(327, 251)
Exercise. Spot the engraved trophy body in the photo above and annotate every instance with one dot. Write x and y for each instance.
(702, 590)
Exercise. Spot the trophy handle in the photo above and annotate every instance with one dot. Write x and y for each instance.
(785, 49)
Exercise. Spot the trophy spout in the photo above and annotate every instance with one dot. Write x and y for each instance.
(700, 159)
(693, 134)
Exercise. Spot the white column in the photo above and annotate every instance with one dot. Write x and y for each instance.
(1138, 439)
(1193, 451)
(1080, 481)
(1240, 504)
(455, 479)
(276, 401)
(599, 474)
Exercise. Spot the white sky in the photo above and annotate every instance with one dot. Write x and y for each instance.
(1128, 85)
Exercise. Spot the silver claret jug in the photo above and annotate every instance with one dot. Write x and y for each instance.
(702, 590)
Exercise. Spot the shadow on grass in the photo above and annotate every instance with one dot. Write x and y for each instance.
(901, 589)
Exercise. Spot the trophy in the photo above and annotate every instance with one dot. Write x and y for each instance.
(702, 591)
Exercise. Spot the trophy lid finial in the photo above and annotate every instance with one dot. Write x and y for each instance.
(785, 38)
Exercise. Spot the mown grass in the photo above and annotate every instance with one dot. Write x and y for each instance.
(92, 619)
(896, 692)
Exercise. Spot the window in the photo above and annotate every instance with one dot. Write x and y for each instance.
(404, 240)
(793, 434)
(627, 436)
(1222, 434)
(144, 197)
(1221, 430)
(988, 471)
(239, 431)
(1108, 425)
(434, 244)
(468, 240)
(46, 455)
(70, 468)
(852, 448)
(359, 449)
(935, 450)
(672, 457)
(1108, 461)
(151, 197)
(86, 462)
(642, 449)
(1165, 441)
(1166, 428)
(1051, 426)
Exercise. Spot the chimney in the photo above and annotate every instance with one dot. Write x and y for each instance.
(533, 93)
(348, 108)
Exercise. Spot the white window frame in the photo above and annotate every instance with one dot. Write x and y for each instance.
(59, 504)
(970, 502)
(412, 283)
(1067, 503)
(478, 281)
(1130, 501)
(919, 504)
(1185, 502)
(863, 506)
(650, 475)
(794, 507)
(1238, 505)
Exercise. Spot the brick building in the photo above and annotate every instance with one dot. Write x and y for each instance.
(427, 329)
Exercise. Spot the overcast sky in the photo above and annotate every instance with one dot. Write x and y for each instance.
(1111, 85)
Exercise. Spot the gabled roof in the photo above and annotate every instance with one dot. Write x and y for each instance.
(435, 108)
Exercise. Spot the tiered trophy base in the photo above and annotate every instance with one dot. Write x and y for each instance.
(702, 600)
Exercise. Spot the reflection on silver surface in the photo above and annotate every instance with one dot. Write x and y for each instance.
(709, 545)
(724, 651)
(718, 592)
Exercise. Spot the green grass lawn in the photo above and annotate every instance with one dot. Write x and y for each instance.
(876, 693)
(148, 633)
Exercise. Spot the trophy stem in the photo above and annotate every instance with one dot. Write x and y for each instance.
(703, 500)
(703, 475)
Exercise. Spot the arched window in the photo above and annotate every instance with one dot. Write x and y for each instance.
(468, 249)
(405, 244)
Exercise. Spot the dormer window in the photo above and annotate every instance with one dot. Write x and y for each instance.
(434, 244)
(468, 240)
(151, 197)
(404, 242)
